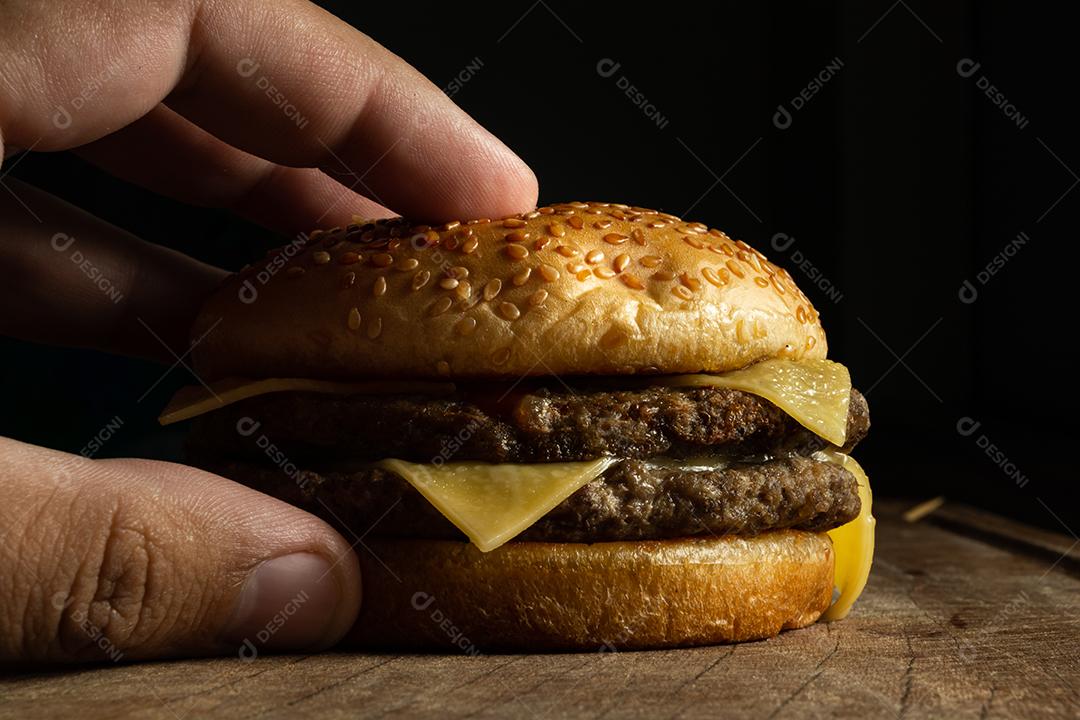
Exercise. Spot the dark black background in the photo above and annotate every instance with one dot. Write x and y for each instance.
(898, 181)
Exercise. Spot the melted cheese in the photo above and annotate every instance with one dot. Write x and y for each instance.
(493, 503)
(853, 543)
(815, 393)
(192, 401)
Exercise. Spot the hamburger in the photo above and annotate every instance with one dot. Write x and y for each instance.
(590, 425)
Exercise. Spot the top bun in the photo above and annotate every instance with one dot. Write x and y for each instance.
(575, 288)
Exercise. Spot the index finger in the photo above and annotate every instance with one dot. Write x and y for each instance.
(288, 82)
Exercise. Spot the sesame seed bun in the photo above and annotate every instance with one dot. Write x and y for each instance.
(576, 288)
(573, 596)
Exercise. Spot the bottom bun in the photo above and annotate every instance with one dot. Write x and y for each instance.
(576, 596)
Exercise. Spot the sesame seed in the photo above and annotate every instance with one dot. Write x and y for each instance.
(810, 343)
(374, 328)
(761, 282)
(382, 260)
(517, 236)
(420, 279)
(575, 222)
(694, 242)
(499, 357)
(740, 331)
(509, 311)
(294, 272)
(621, 262)
(517, 252)
(651, 261)
(556, 230)
(354, 319)
(349, 279)
(682, 291)
(631, 281)
(578, 204)
(576, 268)
(735, 269)
(583, 274)
(459, 272)
(743, 245)
(463, 290)
(566, 251)
(724, 275)
(602, 224)
(537, 298)
(760, 330)
(657, 224)
(316, 234)
(542, 243)
(545, 210)
(690, 282)
(441, 305)
(531, 215)
(466, 326)
(379, 288)
(594, 256)
(639, 236)
(450, 225)
(726, 249)
(469, 246)
(492, 288)
(549, 273)
(522, 276)
(604, 272)
(615, 238)
(663, 275)
(800, 314)
(709, 274)
(513, 223)
(320, 257)
(448, 283)
(349, 258)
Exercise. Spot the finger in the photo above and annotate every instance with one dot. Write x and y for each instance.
(283, 80)
(73, 279)
(170, 155)
(135, 559)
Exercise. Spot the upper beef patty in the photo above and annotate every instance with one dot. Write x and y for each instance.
(538, 424)
(632, 500)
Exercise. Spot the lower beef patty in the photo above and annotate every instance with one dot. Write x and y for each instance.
(541, 424)
(632, 500)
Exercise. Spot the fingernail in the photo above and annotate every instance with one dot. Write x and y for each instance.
(287, 603)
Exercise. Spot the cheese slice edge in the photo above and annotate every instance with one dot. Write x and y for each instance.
(196, 400)
(815, 392)
(853, 542)
(493, 503)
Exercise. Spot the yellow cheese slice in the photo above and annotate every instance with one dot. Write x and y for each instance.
(815, 392)
(853, 542)
(492, 503)
(195, 400)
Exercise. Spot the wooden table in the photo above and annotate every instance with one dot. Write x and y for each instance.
(966, 615)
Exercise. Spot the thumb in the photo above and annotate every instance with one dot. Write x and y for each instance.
(134, 559)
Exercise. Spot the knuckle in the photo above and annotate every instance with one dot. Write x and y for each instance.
(119, 599)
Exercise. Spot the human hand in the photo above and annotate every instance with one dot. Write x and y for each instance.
(141, 559)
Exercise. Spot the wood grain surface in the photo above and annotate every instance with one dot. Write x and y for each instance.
(965, 616)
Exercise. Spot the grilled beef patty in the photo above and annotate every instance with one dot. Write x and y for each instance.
(519, 425)
(632, 500)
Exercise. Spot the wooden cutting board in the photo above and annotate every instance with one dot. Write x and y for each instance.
(966, 615)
